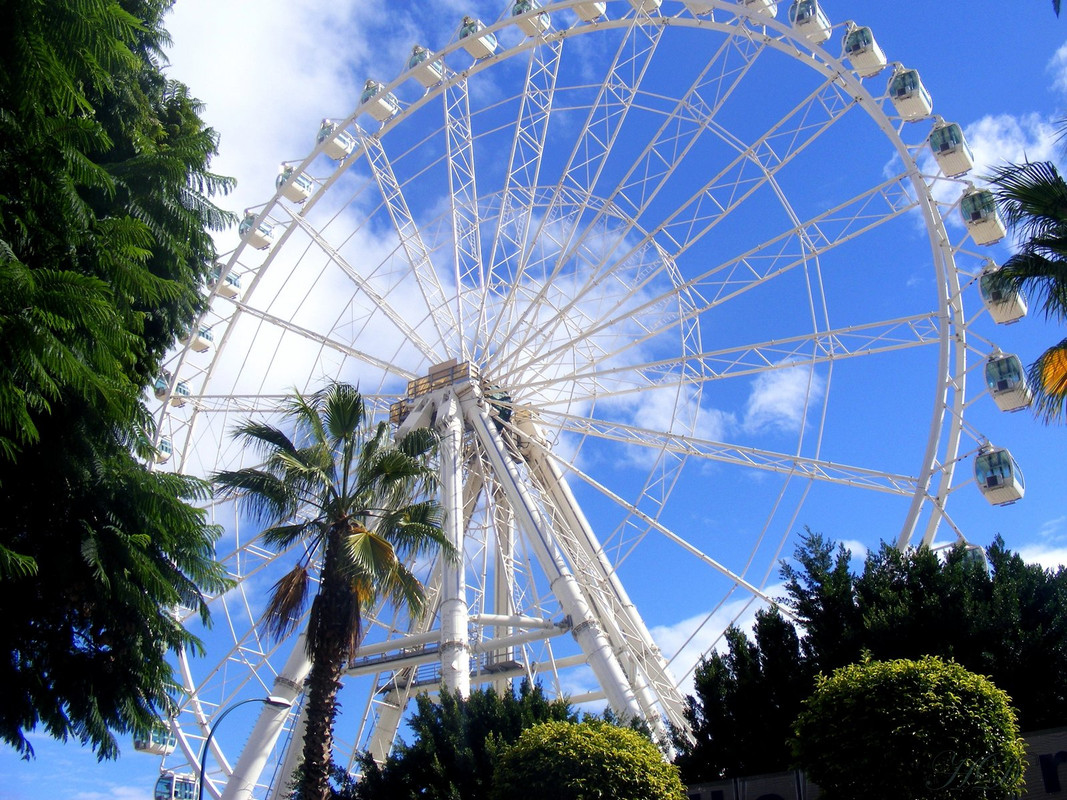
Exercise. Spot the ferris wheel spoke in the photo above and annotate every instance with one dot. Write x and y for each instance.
(790, 249)
(415, 250)
(463, 197)
(691, 369)
(673, 140)
(366, 287)
(666, 532)
(524, 165)
(601, 128)
(753, 167)
(738, 455)
(387, 366)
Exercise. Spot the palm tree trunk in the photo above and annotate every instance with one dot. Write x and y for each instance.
(330, 643)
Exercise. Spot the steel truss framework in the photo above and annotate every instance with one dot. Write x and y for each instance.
(576, 269)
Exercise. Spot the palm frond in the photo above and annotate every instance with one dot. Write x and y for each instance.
(404, 588)
(1042, 279)
(288, 599)
(1048, 378)
(283, 536)
(264, 440)
(344, 411)
(1032, 196)
(369, 553)
(264, 496)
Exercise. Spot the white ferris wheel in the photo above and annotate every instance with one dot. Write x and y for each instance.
(671, 280)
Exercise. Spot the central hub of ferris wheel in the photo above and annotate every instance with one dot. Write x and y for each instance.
(492, 453)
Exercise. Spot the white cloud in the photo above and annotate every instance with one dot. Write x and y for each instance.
(1058, 67)
(997, 139)
(780, 399)
(684, 642)
(1047, 555)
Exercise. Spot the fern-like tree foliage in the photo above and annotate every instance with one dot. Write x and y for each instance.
(1033, 198)
(105, 239)
(358, 507)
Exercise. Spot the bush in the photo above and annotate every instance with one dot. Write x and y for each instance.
(584, 761)
(905, 730)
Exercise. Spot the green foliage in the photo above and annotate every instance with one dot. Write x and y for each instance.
(745, 703)
(105, 222)
(456, 744)
(349, 499)
(116, 549)
(910, 730)
(996, 616)
(584, 761)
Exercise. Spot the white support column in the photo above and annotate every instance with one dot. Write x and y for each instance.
(455, 645)
(594, 644)
(268, 727)
(503, 580)
(629, 633)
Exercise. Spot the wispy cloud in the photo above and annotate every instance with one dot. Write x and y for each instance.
(780, 399)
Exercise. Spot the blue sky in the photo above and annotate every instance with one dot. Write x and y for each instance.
(269, 71)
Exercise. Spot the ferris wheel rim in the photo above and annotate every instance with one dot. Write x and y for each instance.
(948, 283)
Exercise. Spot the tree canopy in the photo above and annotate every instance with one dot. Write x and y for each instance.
(585, 761)
(909, 730)
(456, 744)
(105, 240)
(996, 616)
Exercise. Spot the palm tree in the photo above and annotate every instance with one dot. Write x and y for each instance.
(1033, 198)
(360, 506)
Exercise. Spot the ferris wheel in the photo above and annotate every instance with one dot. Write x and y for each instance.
(671, 280)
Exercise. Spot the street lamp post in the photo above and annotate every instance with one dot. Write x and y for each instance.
(277, 702)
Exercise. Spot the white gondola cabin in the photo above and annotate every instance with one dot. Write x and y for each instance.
(426, 70)
(808, 18)
(768, 8)
(336, 143)
(953, 155)
(171, 786)
(647, 6)
(1006, 379)
(998, 476)
(1004, 304)
(529, 19)
(379, 103)
(228, 287)
(863, 52)
(294, 186)
(259, 236)
(157, 742)
(590, 12)
(478, 44)
(163, 451)
(177, 397)
(699, 7)
(200, 341)
(979, 211)
(909, 96)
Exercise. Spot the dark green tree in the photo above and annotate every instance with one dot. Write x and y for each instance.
(358, 505)
(745, 702)
(105, 222)
(456, 744)
(910, 730)
(996, 616)
(585, 761)
(821, 593)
